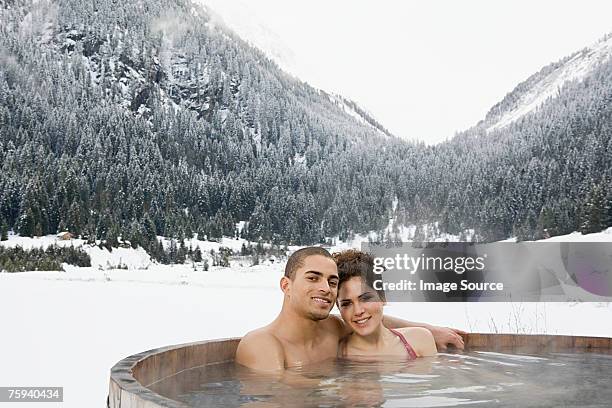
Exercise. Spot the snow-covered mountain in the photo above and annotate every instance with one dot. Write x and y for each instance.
(540, 87)
(359, 113)
(160, 96)
(243, 19)
(147, 119)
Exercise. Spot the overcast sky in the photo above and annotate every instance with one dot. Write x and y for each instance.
(425, 68)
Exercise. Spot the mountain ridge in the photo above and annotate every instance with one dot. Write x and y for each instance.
(530, 94)
(242, 20)
(114, 123)
(148, 120)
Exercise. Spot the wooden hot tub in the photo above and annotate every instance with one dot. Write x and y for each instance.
(131, 377)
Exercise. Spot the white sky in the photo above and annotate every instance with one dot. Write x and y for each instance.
(425, 68)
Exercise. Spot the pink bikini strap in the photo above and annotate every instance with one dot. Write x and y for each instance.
(411, 353)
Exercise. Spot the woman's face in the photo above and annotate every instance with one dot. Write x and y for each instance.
(360, 306)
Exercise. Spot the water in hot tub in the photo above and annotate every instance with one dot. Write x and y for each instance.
(470, 378)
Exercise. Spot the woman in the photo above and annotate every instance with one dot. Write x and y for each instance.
(361, 308)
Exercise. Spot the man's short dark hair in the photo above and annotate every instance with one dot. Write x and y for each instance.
(296, 259)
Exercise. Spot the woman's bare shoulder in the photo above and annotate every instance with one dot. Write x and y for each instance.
(414, 331)
(421, 340)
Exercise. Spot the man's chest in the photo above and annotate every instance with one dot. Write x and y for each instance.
(296, 355)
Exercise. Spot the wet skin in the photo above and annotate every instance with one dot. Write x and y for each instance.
(362, 310)
(304, 332)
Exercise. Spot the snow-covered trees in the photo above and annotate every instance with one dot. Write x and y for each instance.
(595, 214)
(115, 121)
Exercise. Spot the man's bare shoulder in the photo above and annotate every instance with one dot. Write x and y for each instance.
(260, 349)
(420, 339)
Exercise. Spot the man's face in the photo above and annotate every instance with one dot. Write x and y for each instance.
(314, 287)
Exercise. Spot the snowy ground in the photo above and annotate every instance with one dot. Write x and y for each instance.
(69, 328)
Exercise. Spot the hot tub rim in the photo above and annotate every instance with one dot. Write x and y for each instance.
(123, 380)
(123, 377)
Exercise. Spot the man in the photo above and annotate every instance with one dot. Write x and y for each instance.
(304, 332)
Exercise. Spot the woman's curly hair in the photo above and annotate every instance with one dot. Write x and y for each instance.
(352, 263)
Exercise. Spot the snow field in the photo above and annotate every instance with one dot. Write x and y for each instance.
(69, 328)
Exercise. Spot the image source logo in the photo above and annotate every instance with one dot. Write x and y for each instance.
(495, 272)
